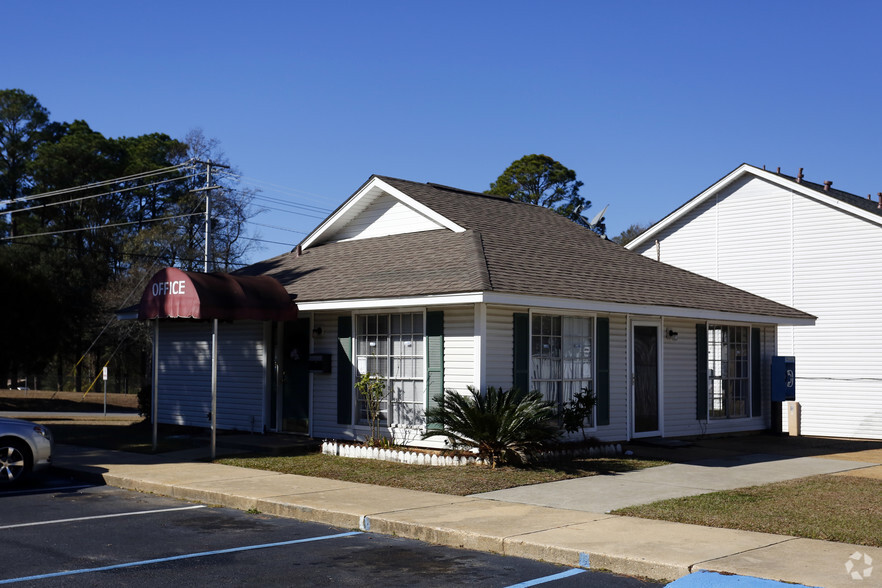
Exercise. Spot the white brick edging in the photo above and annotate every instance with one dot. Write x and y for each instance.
(419, 458)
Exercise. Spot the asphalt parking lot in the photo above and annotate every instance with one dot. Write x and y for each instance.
(56, 530)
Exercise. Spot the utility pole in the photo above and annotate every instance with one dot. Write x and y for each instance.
(207, 189)
(207, 215)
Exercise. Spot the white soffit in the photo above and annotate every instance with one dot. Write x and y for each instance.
(741, 170)
(361, 200)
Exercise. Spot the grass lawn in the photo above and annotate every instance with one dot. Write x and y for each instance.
(459, 481)
(847, 509)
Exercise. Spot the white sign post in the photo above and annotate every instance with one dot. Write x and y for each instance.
(104, 375)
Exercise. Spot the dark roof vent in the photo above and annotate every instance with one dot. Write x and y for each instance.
(880, 201)
(799, 177)
(827, 185)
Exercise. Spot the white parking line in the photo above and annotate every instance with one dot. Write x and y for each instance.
(552, 578)
(176, 557)
(107, 516)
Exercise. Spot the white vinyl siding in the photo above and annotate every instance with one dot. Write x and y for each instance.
(385, 216)
(680, 380)
(459, 348)
(819, 258)
(618, 381)
(185, 374)
(500, 346)
(324, 386)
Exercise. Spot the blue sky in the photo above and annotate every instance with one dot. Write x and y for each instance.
(649, 102)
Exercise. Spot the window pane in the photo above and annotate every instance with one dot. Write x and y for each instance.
(729, 371)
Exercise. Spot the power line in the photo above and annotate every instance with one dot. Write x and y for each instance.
(98, 184)
(151, 256)
(42, 206)
(276, 227)
(281, 202)
(105, 226)
(303, 214)
(277, 187)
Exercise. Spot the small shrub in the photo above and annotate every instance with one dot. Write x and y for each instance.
(498, 423)
(373, 391)
(576, 414)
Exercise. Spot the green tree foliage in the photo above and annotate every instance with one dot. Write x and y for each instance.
(540, 180)
(499, 424)
(68, 260)
(23, 124)
(631, 233)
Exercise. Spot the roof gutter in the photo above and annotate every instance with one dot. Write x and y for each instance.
(556, 303)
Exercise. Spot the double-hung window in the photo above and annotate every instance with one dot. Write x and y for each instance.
(728, 371)
(561, 361)
(391, 346)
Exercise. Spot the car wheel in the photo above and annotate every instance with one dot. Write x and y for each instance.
(14, 461)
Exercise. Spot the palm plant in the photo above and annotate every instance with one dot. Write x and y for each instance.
(499, 423)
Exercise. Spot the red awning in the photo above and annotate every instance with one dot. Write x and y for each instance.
(173, 293)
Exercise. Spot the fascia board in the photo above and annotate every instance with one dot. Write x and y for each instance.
(341, 213)
(642, 309)
(367, 303)
(558, 303)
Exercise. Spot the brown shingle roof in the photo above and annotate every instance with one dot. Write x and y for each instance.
(508, 247)
(411, 264)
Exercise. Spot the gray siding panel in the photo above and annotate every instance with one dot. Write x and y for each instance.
(185, 374)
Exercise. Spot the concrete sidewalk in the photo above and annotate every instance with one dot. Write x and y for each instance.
(608, 493)
(654, 549)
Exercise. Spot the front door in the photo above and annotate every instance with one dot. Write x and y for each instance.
(295, 376)
(645, 349)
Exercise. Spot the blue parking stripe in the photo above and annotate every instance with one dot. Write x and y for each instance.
(177, 557)
(706, 579)
(545, 579)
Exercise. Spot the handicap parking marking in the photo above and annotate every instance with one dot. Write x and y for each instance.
(706, 579)
(178, 558)
(551, 578)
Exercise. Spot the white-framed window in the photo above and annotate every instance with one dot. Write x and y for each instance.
(728, 371)
(392, 346)
(561, 356)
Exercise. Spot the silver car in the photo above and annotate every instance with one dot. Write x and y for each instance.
(25, 447)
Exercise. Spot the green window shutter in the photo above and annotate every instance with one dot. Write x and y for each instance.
(344, 370)
(756, 388)
(602, 384)
(521, 352)
(434, 361)
(701, 371)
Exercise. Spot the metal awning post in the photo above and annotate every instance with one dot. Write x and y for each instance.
(214, 343)
(154, 393)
